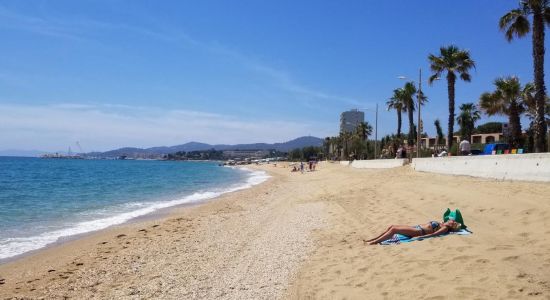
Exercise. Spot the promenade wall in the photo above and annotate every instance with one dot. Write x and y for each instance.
(531, 167)
(379, 163)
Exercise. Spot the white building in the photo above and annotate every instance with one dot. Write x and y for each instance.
(349, 120)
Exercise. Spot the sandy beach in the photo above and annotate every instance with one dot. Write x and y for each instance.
(300, 236)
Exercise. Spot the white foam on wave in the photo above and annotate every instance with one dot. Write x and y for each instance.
(10, 247)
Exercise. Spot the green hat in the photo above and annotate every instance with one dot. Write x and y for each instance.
(454, 215)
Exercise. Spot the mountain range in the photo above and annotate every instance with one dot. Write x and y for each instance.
(300, 142)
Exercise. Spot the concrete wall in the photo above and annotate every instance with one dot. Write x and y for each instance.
(379, 163)
(533, 167)
(344, 162)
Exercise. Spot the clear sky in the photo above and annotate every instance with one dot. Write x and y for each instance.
(149, 73)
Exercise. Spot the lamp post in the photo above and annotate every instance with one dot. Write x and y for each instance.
(376, 133)
(419, 97)
(419, 100)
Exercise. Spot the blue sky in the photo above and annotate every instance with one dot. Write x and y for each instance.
(147, 73)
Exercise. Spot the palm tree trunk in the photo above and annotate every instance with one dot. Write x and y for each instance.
(451, 93)
(410, 139)
(515, 125)
(540, 90)
(399, 123)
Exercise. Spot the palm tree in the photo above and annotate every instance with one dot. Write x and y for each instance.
(408, 92)
(528, 96)
(508, 100)
(396, 102)
(453, 61)
(326, 146)
(469, 115)
(364, 129)
(439, 131)
(516, 23)
(336, 146)
(345, 138)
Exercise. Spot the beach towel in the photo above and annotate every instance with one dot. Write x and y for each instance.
(399, 238)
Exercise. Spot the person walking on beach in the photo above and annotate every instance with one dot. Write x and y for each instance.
(302, 167)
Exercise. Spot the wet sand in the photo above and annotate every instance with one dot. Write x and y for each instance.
(300, 236)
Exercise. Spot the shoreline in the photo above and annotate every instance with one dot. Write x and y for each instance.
(301, 236)
(157, 211)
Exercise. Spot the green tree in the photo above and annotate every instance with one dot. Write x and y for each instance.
(296, 154)
(516, 23)
(311, 152)
(489, 127)
(528, 96)
(396, 102)
(409, 91)
(327, 146)
(507, 100)
(364, 130)
(345, 140)
(469, 115)
(455, 62)
(439, 131)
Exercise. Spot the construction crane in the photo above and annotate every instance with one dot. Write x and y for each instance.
(79, 147)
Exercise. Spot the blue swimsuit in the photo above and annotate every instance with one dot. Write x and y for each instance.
(435, 226)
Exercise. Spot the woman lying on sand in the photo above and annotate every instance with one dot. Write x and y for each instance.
(432, 228)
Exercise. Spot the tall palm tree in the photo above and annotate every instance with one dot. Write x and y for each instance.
(508, 100)
(326, 146)
(516, 23)
(408, 92)
(453, 61)
(396, 102)
(528, 96)
(363, 130)
(345, 140)
(469, 115)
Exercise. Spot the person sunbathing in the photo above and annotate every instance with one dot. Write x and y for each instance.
(432, 228)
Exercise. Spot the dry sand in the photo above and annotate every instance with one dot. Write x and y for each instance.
(299, 236)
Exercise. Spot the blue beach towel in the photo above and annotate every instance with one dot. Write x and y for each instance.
(399, 238)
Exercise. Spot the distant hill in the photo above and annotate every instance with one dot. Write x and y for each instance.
(195, 146)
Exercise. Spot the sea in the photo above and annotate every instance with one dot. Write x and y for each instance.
(44, 201)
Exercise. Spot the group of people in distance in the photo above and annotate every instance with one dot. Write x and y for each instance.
(464, 148)
(312, 164)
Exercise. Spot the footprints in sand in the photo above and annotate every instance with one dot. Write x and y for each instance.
(482, 261)
(510, 258)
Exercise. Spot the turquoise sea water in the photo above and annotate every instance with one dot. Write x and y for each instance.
(43, 200)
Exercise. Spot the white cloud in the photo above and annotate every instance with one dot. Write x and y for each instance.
(104, 127)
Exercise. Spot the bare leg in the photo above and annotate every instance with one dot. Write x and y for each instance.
(370, 240)
(397, 229)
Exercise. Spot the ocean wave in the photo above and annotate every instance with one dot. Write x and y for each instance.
(10, 247)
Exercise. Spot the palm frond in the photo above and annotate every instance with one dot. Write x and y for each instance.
(433, 78)
(489, 102)
(546, 15)
(466, 77)
(515, 24)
